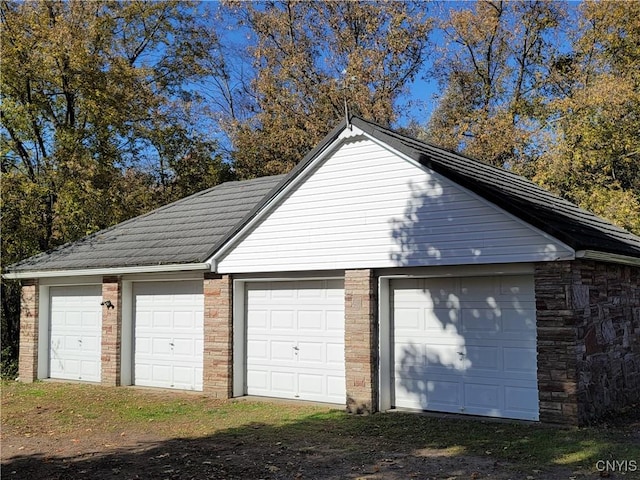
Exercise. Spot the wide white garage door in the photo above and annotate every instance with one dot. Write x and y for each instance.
(295, 340)
(169, 334)
(466, 345)
(76, 332)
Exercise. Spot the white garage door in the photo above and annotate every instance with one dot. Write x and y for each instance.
(76, 332)
(466, 345)
(295, 340)
(169, 334)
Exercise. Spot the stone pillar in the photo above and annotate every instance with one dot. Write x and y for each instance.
(218, 336)
(557, 343)
(361, 341)
(29, 319)
(111, 331)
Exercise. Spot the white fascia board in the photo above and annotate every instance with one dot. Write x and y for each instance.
(176, 267)
(569, 254)
(349, 132)
(608, 257)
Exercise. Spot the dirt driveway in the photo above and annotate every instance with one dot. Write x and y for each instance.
(57, 431)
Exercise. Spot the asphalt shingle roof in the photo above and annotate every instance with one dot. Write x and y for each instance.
(192, 229)
(186, 231)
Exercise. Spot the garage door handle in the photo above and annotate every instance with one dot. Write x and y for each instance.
(171, 343)
(296, 348)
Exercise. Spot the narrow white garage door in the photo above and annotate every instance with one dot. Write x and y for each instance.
(466, 345)
(169, 334)
(295, 340)
(76, 332)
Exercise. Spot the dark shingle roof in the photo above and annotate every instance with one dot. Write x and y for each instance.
(578, 228)
(186, 231)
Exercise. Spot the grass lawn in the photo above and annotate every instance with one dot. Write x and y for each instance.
(57, 430)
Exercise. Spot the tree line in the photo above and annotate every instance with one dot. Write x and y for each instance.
(112, 108)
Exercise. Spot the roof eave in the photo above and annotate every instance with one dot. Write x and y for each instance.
(608, 257)
(174, 267)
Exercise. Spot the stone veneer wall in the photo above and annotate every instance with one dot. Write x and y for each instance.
(606, 299)
(29, 318)
(111, 355)
(218, 336)
(361, 347)
(588, 316)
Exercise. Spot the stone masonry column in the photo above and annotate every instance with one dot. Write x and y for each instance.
(361, 341)
(29, 318)
(111, 331)
(218, 336)
(557, 344)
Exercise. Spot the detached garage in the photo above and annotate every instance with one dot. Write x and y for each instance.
(380, 273)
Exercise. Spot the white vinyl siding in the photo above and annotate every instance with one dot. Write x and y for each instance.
(366, 207)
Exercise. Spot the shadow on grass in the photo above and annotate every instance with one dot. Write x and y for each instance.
(334, 445)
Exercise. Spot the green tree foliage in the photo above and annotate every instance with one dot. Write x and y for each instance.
(98, 123)
(311, 56)
(593, 149)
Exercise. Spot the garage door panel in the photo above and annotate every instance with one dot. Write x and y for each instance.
(282, 320)
(481, 321)
(187, 320)
(521, 399)
(438, 393)
(258, 381)
(283, 383)
(336, 389)
(515, 321)
(521, 360)
(258, 351)
(299, 352)
(89, 369)
(476, 332)
(75, 332)
(169, 334)
(407, 319)
(90, 343)
(335, 354)
(482, 396)
(184, 347)
(281, 351)
(311, 352)
(311, 385)
(257, 320)
(411, 354)
(485, 359)
(311, 321)
(161, 376)
(334, 321)
(441, 356)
